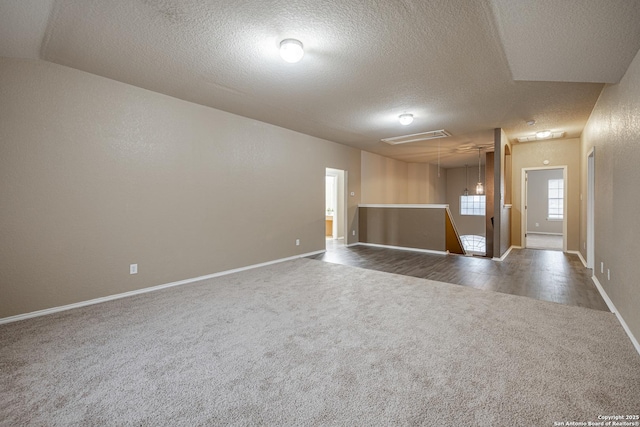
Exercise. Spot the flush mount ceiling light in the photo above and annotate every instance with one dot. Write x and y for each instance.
(405, 119)
(291, 50)
(546, 134)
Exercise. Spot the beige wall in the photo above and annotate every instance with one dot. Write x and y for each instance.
(614, 130)
(502, 213)
(383, 180)
(96, 175)
(386, 180)
(559, 153)
(426, 184)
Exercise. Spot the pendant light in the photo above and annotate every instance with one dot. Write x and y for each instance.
(438, 159)
(479, 186)
(466, 181)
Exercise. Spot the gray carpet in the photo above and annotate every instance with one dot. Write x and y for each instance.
(313, 343)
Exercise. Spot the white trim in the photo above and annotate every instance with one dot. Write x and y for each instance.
(352, 244)
(591, 174)
(542, 232)
(614, 310)
(404, 206)
(504, 256)
(52, 310)
(579, 256)
(403, 248)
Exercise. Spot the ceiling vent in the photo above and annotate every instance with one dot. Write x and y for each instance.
(553, 135)
(434, 134)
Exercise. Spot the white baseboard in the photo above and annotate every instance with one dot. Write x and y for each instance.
(403, 248)
(579, 256)
(504, 256)
(352, 244)
(52, 310)
(545, 233)
(614, 310)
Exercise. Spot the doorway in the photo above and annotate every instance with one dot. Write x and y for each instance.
(335, 207)
(544, 210)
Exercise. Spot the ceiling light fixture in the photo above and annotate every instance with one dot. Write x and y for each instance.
(543, 134)
(405, 119)
(291, 50)
(479, 186)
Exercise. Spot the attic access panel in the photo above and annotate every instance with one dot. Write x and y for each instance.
(424, 136)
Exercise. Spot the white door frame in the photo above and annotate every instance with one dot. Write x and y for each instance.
(591, 192)
(523, 204)
(344, 217)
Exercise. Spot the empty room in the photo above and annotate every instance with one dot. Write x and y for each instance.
(357, 212)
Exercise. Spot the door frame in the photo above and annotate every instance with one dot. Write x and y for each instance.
(523, 203)
(343, 219)
(591, 203)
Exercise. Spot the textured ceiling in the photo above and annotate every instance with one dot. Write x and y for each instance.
(569, 40)
(366, 62)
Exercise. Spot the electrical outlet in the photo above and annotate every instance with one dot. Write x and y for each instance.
(297, 242)
(353, 193)
(608, 274)
(537, 224)
(601, 267)
(353, 232)
(133, 269)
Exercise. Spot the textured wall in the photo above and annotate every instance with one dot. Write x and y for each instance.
(425, 186)
(96, 175)
(614, 130)
(537, 202)
(502, 213)
(559, 153)
(384, 180)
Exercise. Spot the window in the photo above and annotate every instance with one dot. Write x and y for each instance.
(472, 205)
(556, 199)
(474, 244)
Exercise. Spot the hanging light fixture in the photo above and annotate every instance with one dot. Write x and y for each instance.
(479, 186)
(466, 181)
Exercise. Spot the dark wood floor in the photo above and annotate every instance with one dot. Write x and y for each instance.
(542, 274)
